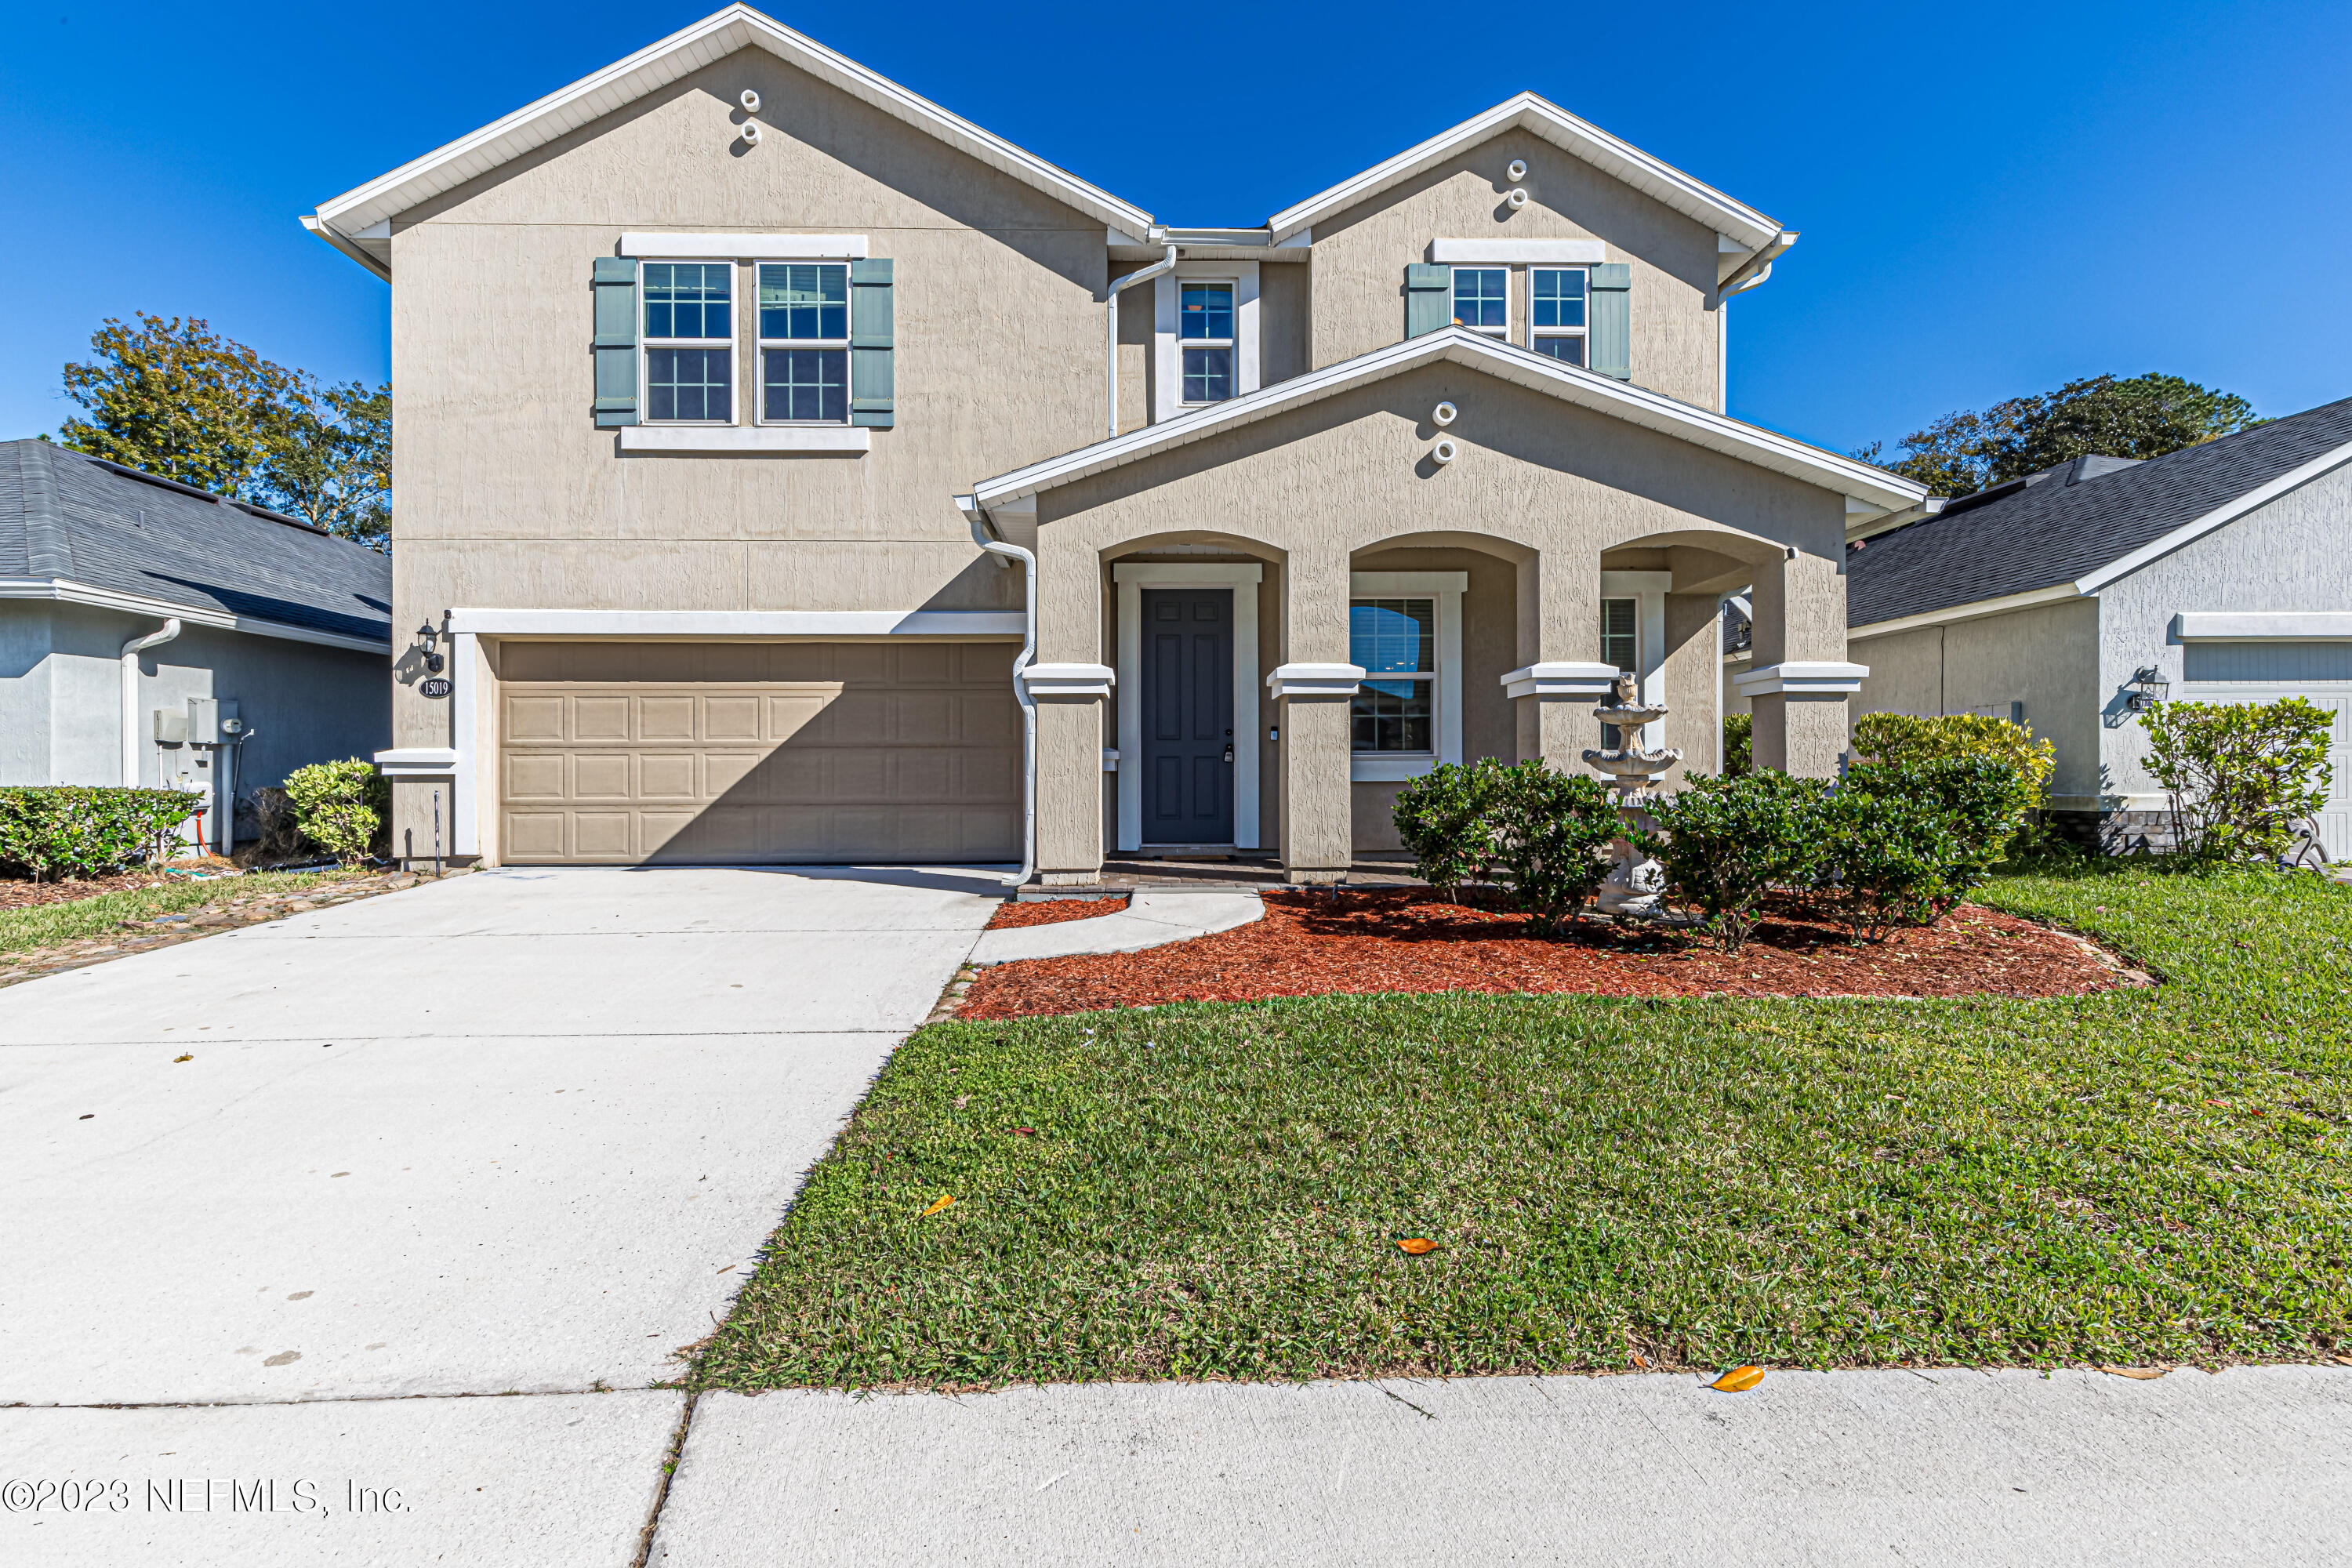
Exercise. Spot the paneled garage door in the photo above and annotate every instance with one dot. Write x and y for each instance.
(734, 752)
(2265, 671)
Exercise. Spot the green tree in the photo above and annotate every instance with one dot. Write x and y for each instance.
(172, 398)
(2144, 416)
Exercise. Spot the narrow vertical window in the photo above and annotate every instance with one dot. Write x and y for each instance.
(1395, 642)
(1205, 333)
(1556, 312)
(804, 342)
(1621, 645)
(690, 343)
(1482, 299)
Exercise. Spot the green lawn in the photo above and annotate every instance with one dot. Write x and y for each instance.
(1214, 1191)
(45, 925)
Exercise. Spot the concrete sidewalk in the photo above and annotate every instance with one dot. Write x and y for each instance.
(518, 1133)
(1950, 1467)
(1149, 919)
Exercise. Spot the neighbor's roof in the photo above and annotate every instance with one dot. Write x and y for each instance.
(78, 529)
(359, 221)
(2073, 528)
(1693, 198)
(1570, 383)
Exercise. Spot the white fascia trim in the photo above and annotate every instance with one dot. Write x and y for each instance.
(1130, 578)
(2263, 626)
(1692, 198)
(964, 624)
(672, 58)
(746, 438)
(1069, 679)
(2260, 496)
(1866, 521)
(1571, 384)
(1520, 252)
(1974, 610)
(61, 591)
(1315, 680)
(1802, 679)
(1561, 678)
(748, 246)
(379, 264)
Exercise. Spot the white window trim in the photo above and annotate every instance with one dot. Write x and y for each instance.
(744, 246)
(1129, 579)
(1446, 588)
(1648, 589)
(1504, 335)
(1519, 252)
(746, 438)
(1583, 332)
(760, 344)
(732, 343)
(1167, 353)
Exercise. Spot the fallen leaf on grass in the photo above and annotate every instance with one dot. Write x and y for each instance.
(1739, 1380)
(945, 1199)
(2145, 1373)
(1416, 1245)
(1025, 1131)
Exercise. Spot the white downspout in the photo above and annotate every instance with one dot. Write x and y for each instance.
(1110, 342)
(977, 516)
(131, 652)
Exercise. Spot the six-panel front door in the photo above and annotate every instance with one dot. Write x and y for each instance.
(1188, 716)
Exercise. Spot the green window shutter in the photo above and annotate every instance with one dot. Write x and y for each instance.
(873, 383)
(1428, 298)
(615, 286)
(1612, 331)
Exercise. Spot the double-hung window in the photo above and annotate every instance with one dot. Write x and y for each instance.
(1395, 641)
(1482, 299)
(1205, 333)
(1556, 312)
(690, 343)
(804, 342)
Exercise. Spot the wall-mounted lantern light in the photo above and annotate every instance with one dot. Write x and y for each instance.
(2148, 688)
(427, 635)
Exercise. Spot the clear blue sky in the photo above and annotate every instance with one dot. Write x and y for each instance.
(1994, 198)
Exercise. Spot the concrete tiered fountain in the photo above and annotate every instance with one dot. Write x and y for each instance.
(1635, 883)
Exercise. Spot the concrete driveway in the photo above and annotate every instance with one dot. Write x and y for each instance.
(515, 1134)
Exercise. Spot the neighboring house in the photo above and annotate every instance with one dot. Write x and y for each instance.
(125, 598)
(2219, 574)
(754, 413)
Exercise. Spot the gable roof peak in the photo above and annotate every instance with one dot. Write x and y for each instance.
(1532, 112)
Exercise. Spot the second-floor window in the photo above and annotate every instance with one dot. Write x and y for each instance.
(1481, 297)
(804, 342)
(1395, 642)
(690, 343)
(1555, 322)
(1205, 333)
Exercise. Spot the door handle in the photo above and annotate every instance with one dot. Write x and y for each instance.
(1229, 751)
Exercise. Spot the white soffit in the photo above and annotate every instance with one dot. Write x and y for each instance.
(655, 67)
(1520, 252)
(1570, 383)
(1693, 198)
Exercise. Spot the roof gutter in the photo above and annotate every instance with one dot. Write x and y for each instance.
(1110, 331)
(347, 245)
(1751, 272)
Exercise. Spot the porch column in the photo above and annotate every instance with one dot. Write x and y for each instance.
(1069, 684)
(1561, 675)
(1311, 695)
(1800, 679)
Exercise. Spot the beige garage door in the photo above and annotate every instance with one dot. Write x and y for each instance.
(731, 752)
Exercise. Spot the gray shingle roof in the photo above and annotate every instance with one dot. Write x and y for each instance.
(64, 515)
(2077, 518)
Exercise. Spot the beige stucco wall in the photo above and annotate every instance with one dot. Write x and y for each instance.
(2046, 658)
(1360, 255)
(1323, 484)
(509, 496)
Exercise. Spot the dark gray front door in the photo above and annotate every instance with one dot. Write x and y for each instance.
(1188, 716)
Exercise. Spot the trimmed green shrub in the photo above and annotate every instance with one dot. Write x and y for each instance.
(340, 805)
(1724, 842)
(2239, 775)
(73, 830)
(1550, 829)
(1445, 818)
(1900, 846)
(1738, 744)
(1901, 740)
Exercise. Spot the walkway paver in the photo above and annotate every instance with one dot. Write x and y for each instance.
(1149, 919)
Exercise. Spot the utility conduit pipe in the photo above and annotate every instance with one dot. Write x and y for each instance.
(131, 652)
(983, 535)
(1110, 341)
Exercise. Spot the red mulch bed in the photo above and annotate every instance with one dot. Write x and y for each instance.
(1052, 911)
(1311, 944)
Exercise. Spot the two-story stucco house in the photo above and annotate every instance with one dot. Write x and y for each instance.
(801, 473)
